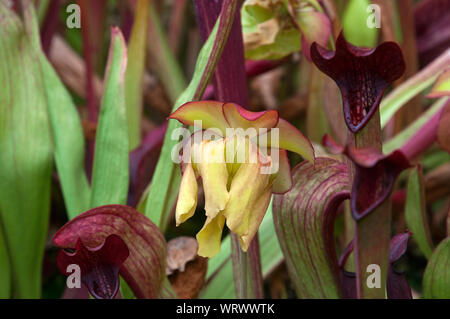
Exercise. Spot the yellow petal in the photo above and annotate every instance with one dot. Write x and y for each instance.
(213, 170)
(209, 237)
(247, 187)
(256, 216)
(187, 197)
(283, 178)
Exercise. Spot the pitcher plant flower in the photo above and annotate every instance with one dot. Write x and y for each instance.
(362, 74)
(238, 172)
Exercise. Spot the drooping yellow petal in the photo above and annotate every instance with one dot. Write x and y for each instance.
(187, 197)
(209, 237)
(247, 187)
(256, 216)
(213, 170)
(283, 179)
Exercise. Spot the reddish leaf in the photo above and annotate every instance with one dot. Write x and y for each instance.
(229, 77)
(50, 25)
(99, 266)
(144, 269)
(427, 135)
(361, 74)
(143, 162)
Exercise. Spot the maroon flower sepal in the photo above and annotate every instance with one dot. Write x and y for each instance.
(362, 75)
(374, 179)
(99, 266)
(375, 175)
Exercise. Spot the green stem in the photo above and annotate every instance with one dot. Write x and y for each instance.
(246, 270)
(372, 232)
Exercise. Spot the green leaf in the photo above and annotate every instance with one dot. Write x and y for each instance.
(401, 138)
(304, 221)
(442, 85)
(316, 119)
(166, 64)
(413, 86)
(135, 71)
(415, 212)
(167, 177)
(354, 23)
(436, 279)
(220, 267)
(25, 150)
(167, 291)
(68, 140)
(5, 271)
(110, 171)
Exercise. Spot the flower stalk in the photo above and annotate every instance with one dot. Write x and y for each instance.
(230, 85)
(372, 233)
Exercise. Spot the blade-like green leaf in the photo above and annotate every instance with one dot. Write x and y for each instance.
(166, 65)
(401, 138)
(413, 86)
(436, 279)
(166, 178)
(135, 71)
(219, 277)
(415, 212)
(5, 271)
(442, 85)
(304, 221)
(25, 150)
(316, 120)
(68, 140)
(110, 172)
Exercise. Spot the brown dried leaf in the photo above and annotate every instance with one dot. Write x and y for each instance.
(71, 68)
(188, 284)
(180, 251)
(266, 34)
